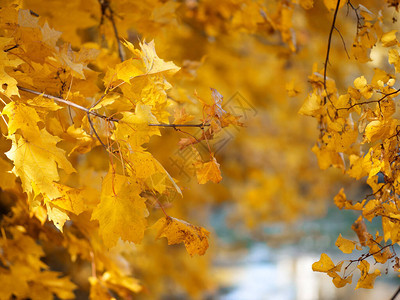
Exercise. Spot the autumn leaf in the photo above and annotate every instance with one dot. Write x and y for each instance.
(22, 118)
(340, 282)
(56, 215)
(36, 163)
(345, 245)
(181, 117)
(122, 211)
(133, 127)
(311, 106)
(177, 231)
(366, 280)
(208, 171)
(325, 264)
(389, 39)
(8, 84)
(153, 63)
(361, 230)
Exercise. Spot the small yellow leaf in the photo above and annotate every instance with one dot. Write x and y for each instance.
(181, 117)
(366, 280)
(340, 199)
(208, 171)
(360, 229)
(394, 59)
(153, 63)
(376, 130)
(311, 106)
(340, 282)
(57, 215)
(325, 264)
(177, 231)
(389, 39)
(129, 69)
(345, 245)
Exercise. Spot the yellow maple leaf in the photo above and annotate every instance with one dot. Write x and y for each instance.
(177, 231)
(122, 284)
(345, 245)
(8, 85)
(48, 283)
(56, 215)
(148, 170)
(22, 118)
(129, 69)
(98, 291)
(35, 162)
(121, 212)
(208, 171)
(133, 127)
(76, 200)
(181, 117)
(153, 63)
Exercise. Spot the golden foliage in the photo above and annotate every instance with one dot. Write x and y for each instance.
(88, 109)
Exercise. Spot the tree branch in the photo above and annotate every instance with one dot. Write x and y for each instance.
(329, 48)
(175, 126)
(95, 132)
(105, 6)
(371, 101)
(93, 113)
(395, 294)
(57, 99)
(111, 18)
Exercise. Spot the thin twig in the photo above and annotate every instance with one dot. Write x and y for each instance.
(105, 5)
(175, 126)
(68, 103)
(395, 294)
(344, 44)
(111, 18)
(95, 132)
(371, 101)
(329, 48)
(33, 13)
(13, 47)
